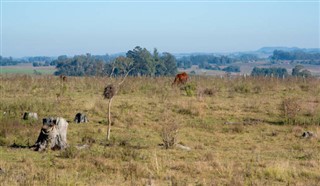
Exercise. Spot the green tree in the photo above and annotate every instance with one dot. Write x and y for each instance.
(143, 61)
(122, 65)
(170, 63)
(299, 70)
(296, 70)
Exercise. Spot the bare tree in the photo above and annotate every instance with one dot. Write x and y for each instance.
(109, 92)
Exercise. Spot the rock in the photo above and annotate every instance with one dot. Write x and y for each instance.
(183, 147)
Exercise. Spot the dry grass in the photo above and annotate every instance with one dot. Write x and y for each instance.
(257, 147)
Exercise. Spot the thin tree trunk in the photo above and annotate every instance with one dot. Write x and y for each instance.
(110, 101)
(109, 119)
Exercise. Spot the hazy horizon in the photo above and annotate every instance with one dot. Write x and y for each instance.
(71, 28)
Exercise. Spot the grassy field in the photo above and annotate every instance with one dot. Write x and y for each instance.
(241, 131)
(26, 69)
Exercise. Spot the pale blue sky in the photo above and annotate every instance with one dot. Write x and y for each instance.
(56, 28)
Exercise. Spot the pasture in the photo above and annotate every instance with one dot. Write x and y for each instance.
(26, 68)
(241, 131)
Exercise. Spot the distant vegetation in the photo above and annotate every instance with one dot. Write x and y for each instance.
(138, 61)
(271, 72)
(313, 58)
(204, 61)
(6, 61)
(232, 69)
(300, 71)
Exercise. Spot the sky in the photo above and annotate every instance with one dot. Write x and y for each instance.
(53, 28)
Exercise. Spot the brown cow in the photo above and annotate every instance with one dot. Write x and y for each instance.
(181, 78)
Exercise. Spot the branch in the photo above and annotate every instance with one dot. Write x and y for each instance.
(125, 77)
(113, 67)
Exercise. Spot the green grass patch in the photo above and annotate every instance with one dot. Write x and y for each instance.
(26, 71)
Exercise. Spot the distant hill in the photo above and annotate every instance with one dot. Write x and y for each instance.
(263, 52)
(269, 50)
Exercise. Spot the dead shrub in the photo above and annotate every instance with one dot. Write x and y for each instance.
(69, 153)
(169, 134)
(242, 88)
(132, 172)
(88, 140)
(290, 109)
(209, 91)
(257, 89)
(304, 88)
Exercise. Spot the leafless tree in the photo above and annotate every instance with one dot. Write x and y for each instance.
(109, 92)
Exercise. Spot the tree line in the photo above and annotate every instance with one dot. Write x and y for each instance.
(298, 70)
(6, 61)
(294, 55)
(137, 62)
(204, 61)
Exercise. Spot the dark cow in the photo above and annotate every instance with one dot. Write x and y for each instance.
(181, 78)
(80, 118)
(53, 134)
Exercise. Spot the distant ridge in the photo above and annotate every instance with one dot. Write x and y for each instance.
(269, 50)
(263, 52)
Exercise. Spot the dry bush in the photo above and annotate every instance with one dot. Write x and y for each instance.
(69, 153)
(290, 109)
(257, 89)
(242, 88)
(207, 92)
(169, 134)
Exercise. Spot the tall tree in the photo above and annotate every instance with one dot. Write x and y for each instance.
(170, 63)
(143, 61)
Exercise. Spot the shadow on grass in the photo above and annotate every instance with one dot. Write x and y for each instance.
(275, 122)
(18, 146)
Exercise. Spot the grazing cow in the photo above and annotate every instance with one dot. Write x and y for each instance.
(30, 115)
(80, 118)
(53, 134)
(181, 78)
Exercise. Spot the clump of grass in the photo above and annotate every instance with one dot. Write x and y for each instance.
(169, 134)
(209, 91)
(88, 140)
(234, 128)
(185, 111)
(280, 173)
(257, 89)
(69, 153)
(190, 89)
(242, 88)
(290, 109)
(3, 141)
(305, 88)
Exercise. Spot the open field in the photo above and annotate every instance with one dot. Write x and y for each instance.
(241, 131)
(246, 68)
(26, 68)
